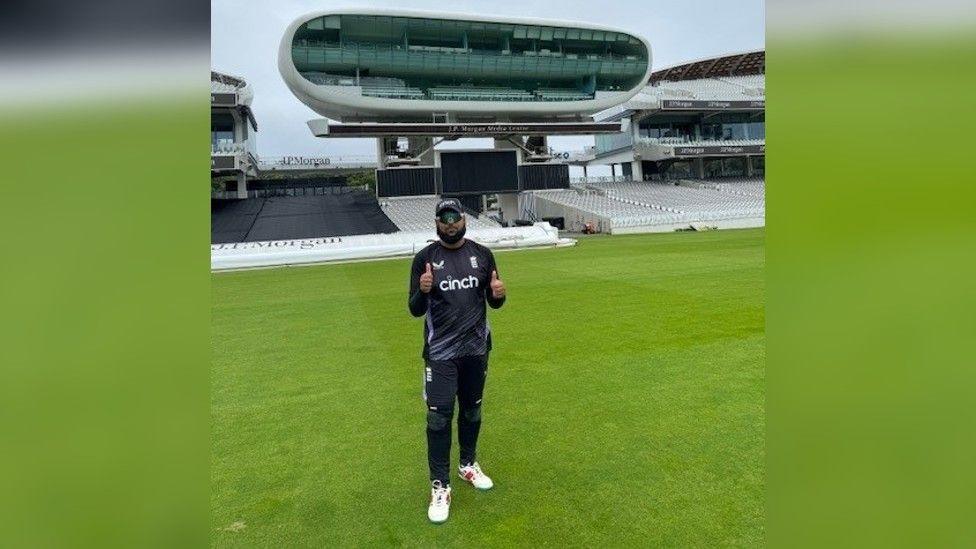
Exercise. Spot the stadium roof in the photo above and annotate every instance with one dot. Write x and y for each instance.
(227, 79)
(220, 82)
(225, 83)
(739, 64)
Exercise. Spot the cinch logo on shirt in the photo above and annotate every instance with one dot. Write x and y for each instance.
(465, 283)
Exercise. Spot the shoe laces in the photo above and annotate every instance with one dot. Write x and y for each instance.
(439, 493)
(476, 468)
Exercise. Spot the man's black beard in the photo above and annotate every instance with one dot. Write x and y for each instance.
(451, 240)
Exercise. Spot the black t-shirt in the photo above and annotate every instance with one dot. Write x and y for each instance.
(456, 323)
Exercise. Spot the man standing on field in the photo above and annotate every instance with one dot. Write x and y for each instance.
(450, 282)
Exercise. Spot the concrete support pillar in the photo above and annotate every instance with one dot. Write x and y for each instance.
(241, 185)
(699, 165)
(508, 207)
(636, 172)
(613, 171)
(584, 170)
(749, 166)
(380, 154)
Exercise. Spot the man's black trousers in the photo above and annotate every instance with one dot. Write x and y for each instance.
(463, 379)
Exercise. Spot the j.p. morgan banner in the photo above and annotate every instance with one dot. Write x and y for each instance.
(302, 161)
(488, 129)
(683, 105)
(719, 150)
(303, 244)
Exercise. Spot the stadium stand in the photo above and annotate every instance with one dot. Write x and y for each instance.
(630, 204)
(742, 186)
(701, 120)
(736, 77)
(343, 212)
(726, 88)
(415, 213)
(622, 213)
(336, 211)
(701, 203)
(688, 142)
(753, 84)
(231, 220)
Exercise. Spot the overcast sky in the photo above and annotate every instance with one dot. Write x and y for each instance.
(245, 37)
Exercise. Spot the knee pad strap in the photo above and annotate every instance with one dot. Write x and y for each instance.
(472, 415)
(438, 420)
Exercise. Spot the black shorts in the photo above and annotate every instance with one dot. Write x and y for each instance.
(462, 377)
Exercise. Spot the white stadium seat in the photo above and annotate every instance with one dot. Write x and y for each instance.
(633, 204)
(416, 213)
(719, 89)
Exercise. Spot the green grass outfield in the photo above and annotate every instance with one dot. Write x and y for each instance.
(624, 404)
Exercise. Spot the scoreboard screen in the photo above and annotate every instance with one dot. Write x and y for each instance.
(479, 172)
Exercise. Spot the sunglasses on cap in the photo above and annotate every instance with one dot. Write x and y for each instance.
(449, 216)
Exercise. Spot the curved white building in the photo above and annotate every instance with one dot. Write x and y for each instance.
(355, 65)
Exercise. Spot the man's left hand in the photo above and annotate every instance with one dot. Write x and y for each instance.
(497, 286)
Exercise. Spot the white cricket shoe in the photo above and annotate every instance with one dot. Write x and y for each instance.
(473, 474)
(440, 502)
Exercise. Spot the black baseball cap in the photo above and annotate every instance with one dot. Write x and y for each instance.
(451, 204)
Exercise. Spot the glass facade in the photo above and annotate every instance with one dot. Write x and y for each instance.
(612, 141)
(441, 59)
(221, 129)
(681, 169)
(222, 134)
(759, 166)
(710, 127)
(725, 167)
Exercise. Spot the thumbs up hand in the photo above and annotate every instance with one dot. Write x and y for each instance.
(497, 286)
(427, 280)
